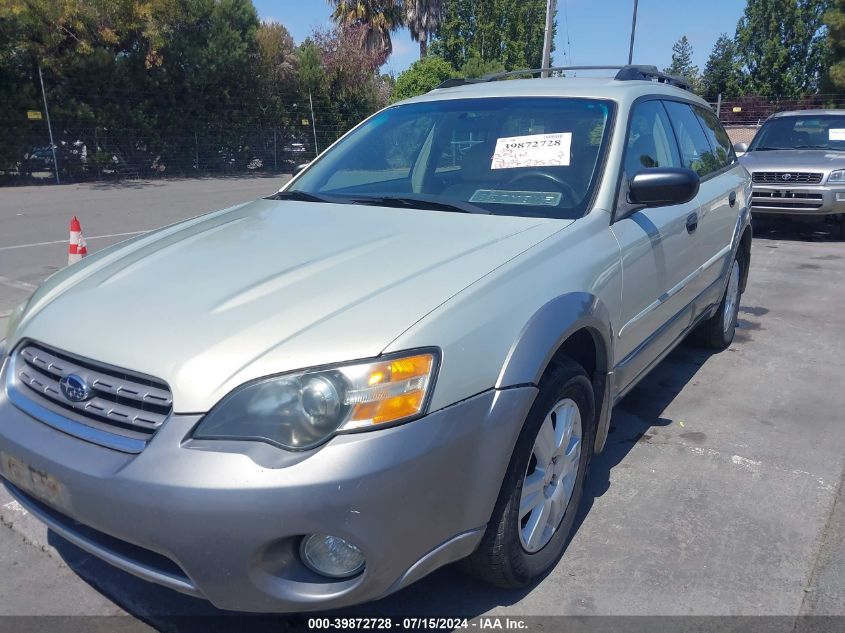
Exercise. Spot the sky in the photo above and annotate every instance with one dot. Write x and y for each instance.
(599, 31)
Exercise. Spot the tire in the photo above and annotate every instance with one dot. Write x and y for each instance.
(841, 232)
(718, 331)
(507, 557)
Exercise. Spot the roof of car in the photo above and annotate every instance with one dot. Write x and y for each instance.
(585, 87)
(807, 112)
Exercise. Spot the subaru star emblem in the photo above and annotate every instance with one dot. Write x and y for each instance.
(786, 177)
(75, 388)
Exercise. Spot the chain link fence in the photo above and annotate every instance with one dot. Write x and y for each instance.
(92, 153)
(85, 150)
(742, 117)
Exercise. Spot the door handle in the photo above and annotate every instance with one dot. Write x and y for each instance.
(732, 198)
(692, 222)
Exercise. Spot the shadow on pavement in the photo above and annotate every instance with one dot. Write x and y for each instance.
(794, 231)
(445, 593)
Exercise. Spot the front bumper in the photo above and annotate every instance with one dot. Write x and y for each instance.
(223, 521)
(808, 200)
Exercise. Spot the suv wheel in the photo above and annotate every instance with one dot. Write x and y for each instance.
(539, 498)
(718, 331)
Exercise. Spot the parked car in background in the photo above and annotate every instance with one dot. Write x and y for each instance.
(797, 165)
(407, 357)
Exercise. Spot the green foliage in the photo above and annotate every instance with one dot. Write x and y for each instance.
(374, 21)
(172, 86)
(310, 67)
(476, 67)
(835, 21)
(682, 65)
(423, 75)
(783, 47)
(722, 73)
(506, 31)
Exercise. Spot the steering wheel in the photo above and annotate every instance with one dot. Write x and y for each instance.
(562, 185)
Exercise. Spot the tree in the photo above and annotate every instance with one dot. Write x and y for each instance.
(782, 46)
(682, 65)
(423, 75)
(373, 21)
(722, 73)
(835, 21)
(506, 31)
(475, 67)
(423, 18)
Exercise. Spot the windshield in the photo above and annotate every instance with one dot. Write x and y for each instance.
(506, 156)
(802, 132)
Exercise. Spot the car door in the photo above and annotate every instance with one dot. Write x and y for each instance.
(656, 246)
(719, 178)
(722, 195)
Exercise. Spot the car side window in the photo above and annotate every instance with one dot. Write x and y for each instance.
(719, 139)
(650, 140)
(696, 153)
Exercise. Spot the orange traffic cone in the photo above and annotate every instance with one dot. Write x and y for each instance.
(77, 248)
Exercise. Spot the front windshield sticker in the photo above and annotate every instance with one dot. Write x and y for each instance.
(528, 198)
(535, 150)
(836, 134)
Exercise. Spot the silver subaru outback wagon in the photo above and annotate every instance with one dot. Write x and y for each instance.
(405, 358)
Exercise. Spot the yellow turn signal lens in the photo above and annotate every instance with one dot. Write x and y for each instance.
(389, 391)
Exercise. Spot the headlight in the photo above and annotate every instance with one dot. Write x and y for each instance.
(301, 410)
(15, 319)
(837, 176)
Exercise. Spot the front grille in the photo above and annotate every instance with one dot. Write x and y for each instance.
(786, 200)
(786, 178)
(121, 402)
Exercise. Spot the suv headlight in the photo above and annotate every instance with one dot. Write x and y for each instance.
(837, 176)
(301, 410)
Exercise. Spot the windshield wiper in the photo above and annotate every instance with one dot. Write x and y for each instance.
(420, 203)
(825, 147)
(304, 196)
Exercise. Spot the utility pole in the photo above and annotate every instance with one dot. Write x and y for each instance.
(313, 126)
(633, 31)
(547, 40)
(49, 126)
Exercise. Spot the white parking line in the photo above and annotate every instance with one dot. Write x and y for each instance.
(20, 285)
(95, 237)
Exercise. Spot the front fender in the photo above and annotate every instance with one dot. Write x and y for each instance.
(543, 335)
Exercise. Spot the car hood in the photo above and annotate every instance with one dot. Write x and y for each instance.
(797, 159)
(267, 287)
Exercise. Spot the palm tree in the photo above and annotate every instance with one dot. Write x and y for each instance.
(423, 18)
(376, 19)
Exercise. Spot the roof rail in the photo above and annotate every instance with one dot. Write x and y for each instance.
(650, 73)
(624, 73)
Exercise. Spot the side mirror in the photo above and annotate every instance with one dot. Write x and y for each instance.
(663, 186)
(740, 148)
(300, 167)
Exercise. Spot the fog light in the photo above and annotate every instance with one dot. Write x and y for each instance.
(331, 556)
(840, 196)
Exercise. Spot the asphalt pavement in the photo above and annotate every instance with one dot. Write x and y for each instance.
(720, 492)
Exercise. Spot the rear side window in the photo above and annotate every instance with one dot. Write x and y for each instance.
(716, 135)
(650, 140)
(696, 153)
